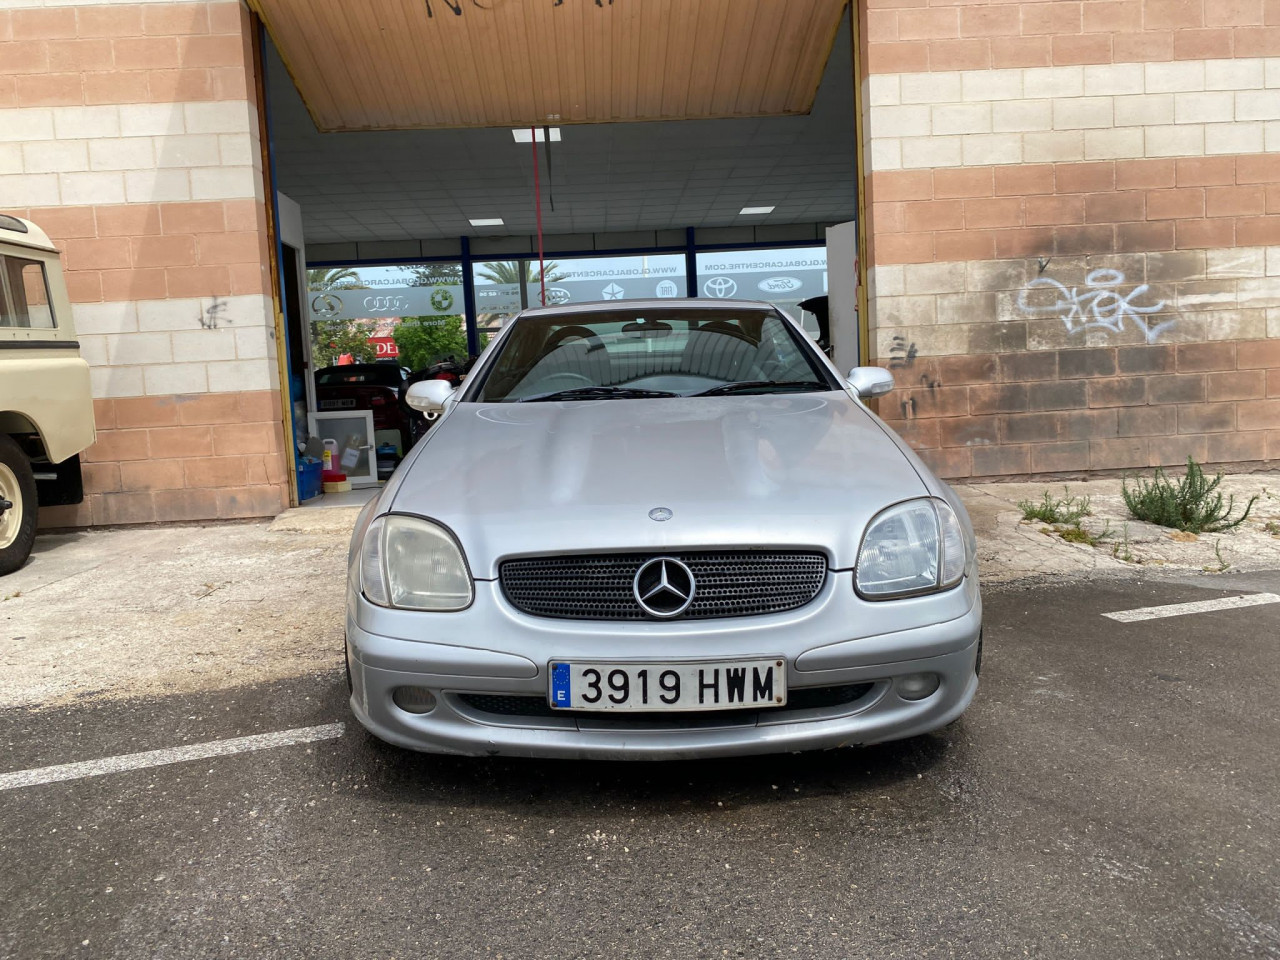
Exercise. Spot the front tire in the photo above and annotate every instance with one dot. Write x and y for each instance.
(18, 520)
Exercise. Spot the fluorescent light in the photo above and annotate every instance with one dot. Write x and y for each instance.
(487, 222)
(525, 135)
(749, 211)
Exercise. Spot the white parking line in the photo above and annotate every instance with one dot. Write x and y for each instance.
(1197, 606)
(158, 758)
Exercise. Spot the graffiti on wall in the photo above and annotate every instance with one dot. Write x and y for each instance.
(1099, 304)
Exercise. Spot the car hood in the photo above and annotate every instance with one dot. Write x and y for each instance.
(804, 470)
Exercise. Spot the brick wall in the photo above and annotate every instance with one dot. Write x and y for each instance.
(129, 132)
(1075, 230)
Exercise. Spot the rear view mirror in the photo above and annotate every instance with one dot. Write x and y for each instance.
(870, 382)
(428, 396)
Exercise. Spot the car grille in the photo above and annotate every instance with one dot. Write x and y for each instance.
(740, 583)
(803, 698)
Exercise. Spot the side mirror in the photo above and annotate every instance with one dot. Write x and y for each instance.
(870, 381)
(428, 396)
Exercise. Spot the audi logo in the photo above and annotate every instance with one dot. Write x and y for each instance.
(386, 304)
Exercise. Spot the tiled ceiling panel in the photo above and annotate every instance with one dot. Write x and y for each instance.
(421, 64)
(615, 177)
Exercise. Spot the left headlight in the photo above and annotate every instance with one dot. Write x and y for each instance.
(912, 548)
(413, 564)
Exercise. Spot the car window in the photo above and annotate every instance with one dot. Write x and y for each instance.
(27, 303)
(665, 351)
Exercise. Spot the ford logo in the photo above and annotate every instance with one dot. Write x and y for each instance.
(780, 284)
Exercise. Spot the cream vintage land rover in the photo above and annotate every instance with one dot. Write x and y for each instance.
(46, 412)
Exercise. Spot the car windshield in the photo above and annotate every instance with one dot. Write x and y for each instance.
(380, 374)
(639, 352)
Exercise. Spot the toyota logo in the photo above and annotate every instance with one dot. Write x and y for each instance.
(720, 287)
(664, 587)
(326, 305)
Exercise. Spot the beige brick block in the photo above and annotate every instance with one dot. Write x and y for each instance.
(11, 159)
(889, 281)
(924, 152)
(75, 123)
(1272, 268)
(238, 149)
(91, 188)
(230, 375)
(1271, 136)
(93, 348)
(1236, 325)
(1175, 141)
(30, 123)
(223, 183)
(886, 154)
(923, 278)
(174, 314)
(985, 275)
(108, 317)
(967, 307)
(152, 119)
(1115, 144)
(1236, 263)
(991, 85)
(197, 345)
(954, 118)
(157, 186)
(939, 87)
(115, 382)
(1054, 147)
(1179, 77)
(1227, 138)
(1053, 82)
(1271, 72)
(883, 89)
(138, 348)
(1257, 105)
(1114, 79)
(1150, 109)
(122, 153)
(251, 343)
(55, 156)
(187, 150)
(998, 148)
(1203, 107)
(30, 190)
(218, 116)
(1273, 322)
(1083, 112)
(1243, 74)
(168, 378)
(908, 121)
(1259, 293)
(906, 311)
(1021, 116)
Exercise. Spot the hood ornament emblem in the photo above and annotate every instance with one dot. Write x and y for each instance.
(660, 514)
(664, 587)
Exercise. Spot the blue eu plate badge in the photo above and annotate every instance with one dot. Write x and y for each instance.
(560, 675)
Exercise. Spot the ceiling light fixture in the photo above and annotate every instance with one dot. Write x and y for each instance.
(525, 135)
(487, 222)
(749, 211)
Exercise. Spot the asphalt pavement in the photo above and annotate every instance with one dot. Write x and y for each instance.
(1112, 793)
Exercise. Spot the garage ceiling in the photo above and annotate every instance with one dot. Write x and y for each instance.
(417, 64)
(604, 178)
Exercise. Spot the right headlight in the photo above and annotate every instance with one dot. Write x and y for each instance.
(413, 564)
(912, 548)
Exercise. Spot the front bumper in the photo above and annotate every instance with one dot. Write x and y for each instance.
(494, 650)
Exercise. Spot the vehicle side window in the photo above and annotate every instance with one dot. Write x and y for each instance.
(28, 304)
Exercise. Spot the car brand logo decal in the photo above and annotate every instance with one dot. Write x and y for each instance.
(664, 587)
(326, 305)
(441, 299)
(612, 292)
(558, 295)
(780, 284)
(720, 287)
(660, 514)
(667, 288)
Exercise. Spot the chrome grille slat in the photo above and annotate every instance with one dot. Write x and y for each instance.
(730, 583)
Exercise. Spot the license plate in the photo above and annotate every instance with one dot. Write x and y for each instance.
(696, 685)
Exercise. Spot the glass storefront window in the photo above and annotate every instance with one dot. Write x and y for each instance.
(782, 277)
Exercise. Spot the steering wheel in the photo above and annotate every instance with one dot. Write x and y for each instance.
(566, 377)
(568, 333)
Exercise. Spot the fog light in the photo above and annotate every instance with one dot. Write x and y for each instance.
(414, 699)
(916, 686)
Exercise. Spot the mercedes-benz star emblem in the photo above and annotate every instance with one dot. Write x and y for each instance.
(664, 587)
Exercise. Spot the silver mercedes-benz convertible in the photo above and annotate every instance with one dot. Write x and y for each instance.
(659, 529)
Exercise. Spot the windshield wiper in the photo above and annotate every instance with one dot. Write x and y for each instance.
(597, 393)
(761, 386)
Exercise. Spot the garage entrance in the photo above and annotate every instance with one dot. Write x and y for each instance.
(410, 248)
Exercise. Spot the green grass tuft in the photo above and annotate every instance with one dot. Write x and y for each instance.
(1050, 509)
(1193, 503)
